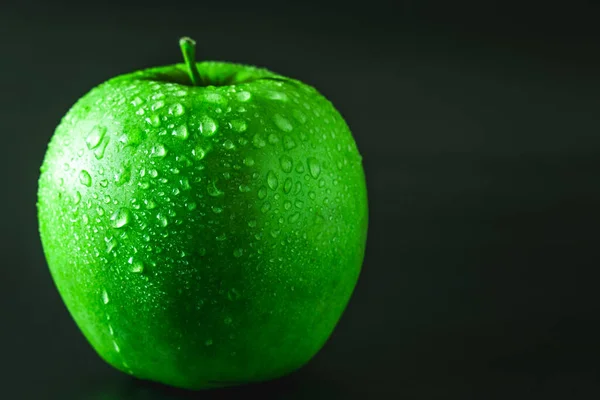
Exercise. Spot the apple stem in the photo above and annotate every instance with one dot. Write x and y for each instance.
(188, 49)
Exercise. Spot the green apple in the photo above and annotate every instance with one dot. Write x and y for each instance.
(205, 223)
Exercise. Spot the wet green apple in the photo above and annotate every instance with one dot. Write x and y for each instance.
(205, 223)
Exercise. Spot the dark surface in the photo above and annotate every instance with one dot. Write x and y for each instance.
(480, 134)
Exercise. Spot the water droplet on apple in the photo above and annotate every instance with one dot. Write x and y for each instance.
(313, 167)
(76, 198)
(228, 144)
(208, 126)
(272, 180)
(287, 205)
(262, 193)
(300, 117)
(282, 123)
(137, 266)
(162, 220)
(176, 109)
(158, 105)
(243, 96)
(137, 101)
(273, 95)
(239, 125)
(85, 178)
(286, 163)
(105, 298)
(158, 151)
(132, 138)
(215, 98)
(258, 141)
(122, 176)
(237, 253)
(287, 185)
(199, 153)
(265, 207)
(181, 132)
(249, 161)
(213, 190)
(288, 142)
(120, 218)
(95, 137)
(209, 342)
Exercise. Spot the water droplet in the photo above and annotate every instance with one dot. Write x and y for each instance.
(252, 224)
(181, 132)
(237, 253)
(299, 116)
(243, 96)
(105, 298)
(287, 205)
(287, 185)
(217, 210)
(137, 266)
(209, 342)
(282, 123)
(249, 161)
(273, 138)
(286, 163)
(233, 294)
(191, 206)
(95, 137)
(262, 193)
(132, 138)
(213, 190)
(299, 203)
(137, 101)
(176, 109)
(158, 105)
(123, 175)
(258, 141)
(101, 149)
(265, 207)
(76, 198)
(215, 98)
(227, 320)
(228, 144)
(244, 188)
(85, 178)
(222, 237)
(313, 167)
(162, 220)
(239, 125)
(111, 244)
(199, 153)
(120, 218)
(208, 126)
(288, 142)
(272, 180)
(116, 346)
(158, 151)
(273, 95)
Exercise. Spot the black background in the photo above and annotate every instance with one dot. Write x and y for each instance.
(479, 127)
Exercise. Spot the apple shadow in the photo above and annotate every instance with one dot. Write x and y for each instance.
(299, 385)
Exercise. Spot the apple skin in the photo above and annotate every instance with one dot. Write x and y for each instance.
(204, 236)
